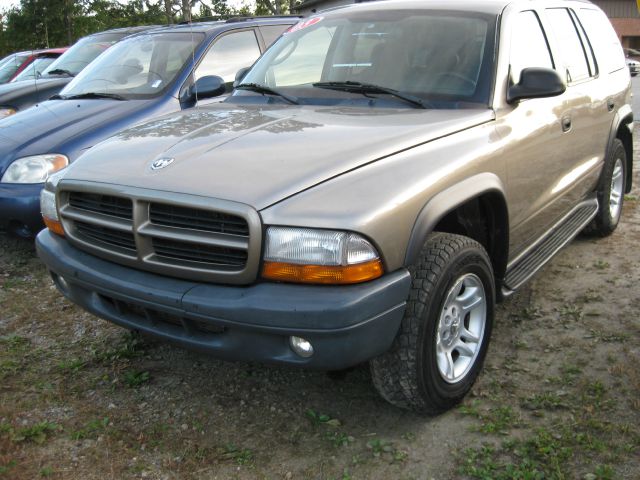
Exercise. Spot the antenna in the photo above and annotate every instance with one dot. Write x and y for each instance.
(193, 55)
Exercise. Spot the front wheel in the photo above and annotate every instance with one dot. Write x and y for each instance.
(440, 347)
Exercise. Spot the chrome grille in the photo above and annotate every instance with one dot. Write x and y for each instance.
(190, 237)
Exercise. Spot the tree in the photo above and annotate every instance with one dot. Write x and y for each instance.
(276, 7)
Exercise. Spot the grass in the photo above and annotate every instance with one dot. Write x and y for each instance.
(549, 451)
(37, 433)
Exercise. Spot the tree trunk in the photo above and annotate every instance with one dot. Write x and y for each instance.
(168, 10)
(67, 20)
(186, 10)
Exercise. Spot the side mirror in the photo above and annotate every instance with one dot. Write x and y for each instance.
(536, 82)
(240, 75)
(208, 86)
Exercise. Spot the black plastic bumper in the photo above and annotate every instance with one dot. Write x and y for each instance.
(346, 325)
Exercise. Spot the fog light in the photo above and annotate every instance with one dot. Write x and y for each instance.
(60, 282)
(301, 346)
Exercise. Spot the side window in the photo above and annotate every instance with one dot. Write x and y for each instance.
(588, 47)
(603, 39)
(270, 33)
(229, 54)
(571, 49)
(529, 47)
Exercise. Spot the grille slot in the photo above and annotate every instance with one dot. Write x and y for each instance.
(103, 204)
(106, 236)
(197, 219)
(186, 251)
(150, 317)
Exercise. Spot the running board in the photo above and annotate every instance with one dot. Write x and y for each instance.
(524, 267)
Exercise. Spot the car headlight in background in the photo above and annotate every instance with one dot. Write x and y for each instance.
(35, 169)
(6, 111)
(304, 255)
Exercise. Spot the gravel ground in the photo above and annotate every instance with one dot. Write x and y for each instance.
(559, 397)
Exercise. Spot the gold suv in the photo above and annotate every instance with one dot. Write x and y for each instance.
(379, 178)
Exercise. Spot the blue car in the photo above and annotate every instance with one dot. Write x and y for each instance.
(25, 90)
(146, 75)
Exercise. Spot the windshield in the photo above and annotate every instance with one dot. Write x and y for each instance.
(443, 58)
(81, 54)
(139, 67)
(35, 69)
(10, 66)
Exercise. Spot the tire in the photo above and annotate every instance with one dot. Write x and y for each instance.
(413, 373)
(610, 192)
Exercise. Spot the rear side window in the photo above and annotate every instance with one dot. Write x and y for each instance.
(573, 53)
(603, 39)
(270, 33)
(529, 46)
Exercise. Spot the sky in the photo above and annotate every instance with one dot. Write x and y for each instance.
(5, 4)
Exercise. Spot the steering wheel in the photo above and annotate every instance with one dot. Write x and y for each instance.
(457, 77)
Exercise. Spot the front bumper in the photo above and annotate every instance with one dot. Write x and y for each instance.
(20, 208)
(346, 325)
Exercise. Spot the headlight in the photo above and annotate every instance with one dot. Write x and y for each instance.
(35, 169)
(6, 111)
(305, 255)
(48, 205)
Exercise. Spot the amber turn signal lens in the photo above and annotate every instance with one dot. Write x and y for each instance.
(55, 227)
(323, 274)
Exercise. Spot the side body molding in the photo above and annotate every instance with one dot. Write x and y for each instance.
(446, 201)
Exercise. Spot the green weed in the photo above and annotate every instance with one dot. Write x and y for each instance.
(242, 456)
(91, 429)
(134, 378)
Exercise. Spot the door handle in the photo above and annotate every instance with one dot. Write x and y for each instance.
(610, 105)
(566, 123)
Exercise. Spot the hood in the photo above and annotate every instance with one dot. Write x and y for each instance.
(10, 92)
(259, 155)
(49, 127)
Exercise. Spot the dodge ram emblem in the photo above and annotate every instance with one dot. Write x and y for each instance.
(161, 163)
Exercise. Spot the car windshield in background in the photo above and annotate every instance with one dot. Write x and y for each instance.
(35, 69)
(11, 65)
(139, 67)
(83, 52)
(441, 58)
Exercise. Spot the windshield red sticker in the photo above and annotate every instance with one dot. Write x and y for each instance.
(305, 24)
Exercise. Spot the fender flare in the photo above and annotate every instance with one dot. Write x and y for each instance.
(624, 116)
(446, 201)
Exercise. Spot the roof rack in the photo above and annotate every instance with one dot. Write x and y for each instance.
(258, 17)
(235, 18)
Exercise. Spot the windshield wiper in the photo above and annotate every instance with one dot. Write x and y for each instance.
(256, 87)
(60, 71)
(364, 88)
(91, 95)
